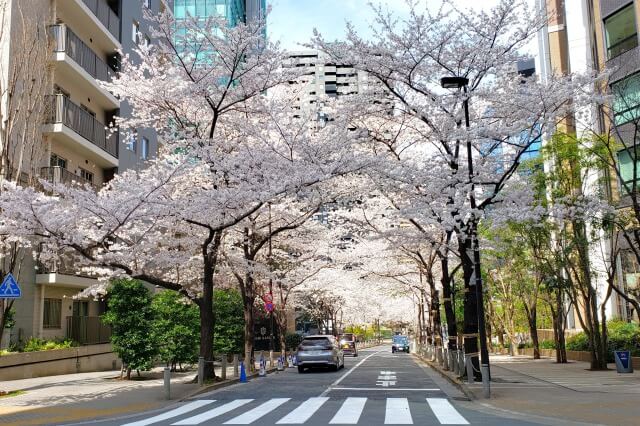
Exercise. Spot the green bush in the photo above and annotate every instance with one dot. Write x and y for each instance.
(292, 340)
(547, 344)
(34, 345)
(176, 328)
(622, 336)
(130, 316)
(229, 322)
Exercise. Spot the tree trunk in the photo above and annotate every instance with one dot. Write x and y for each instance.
(207, 319)
(445, 280)
(5, 307)
(248, 299)
(532, 320)
(559, 328)
(470, 330)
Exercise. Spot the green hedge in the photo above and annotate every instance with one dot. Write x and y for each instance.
(622, 336)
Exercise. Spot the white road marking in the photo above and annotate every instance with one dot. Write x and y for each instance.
(341, 378)
(350, 412)
(445, 412)
(254, 414)
(389, 389)
(397, 412)
(173, 413)
(218, 411)
(303, 412)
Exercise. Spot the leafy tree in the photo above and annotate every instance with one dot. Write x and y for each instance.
(130, 316)
(229, 321)
(176, 328)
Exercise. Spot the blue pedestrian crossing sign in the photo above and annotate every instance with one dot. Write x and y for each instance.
(9, 289)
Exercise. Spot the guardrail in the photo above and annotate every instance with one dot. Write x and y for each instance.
(106, 15)
(62, 110)
(57, 175)
(65, 40)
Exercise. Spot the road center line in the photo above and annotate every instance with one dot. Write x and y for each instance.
(337, 382)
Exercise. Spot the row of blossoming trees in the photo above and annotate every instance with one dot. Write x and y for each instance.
(241, 170)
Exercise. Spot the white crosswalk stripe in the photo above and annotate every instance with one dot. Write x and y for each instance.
(350, 412)
(444, 411)
(397, 412)
(173, 413)
(303, 412)
(218, 411)
(254, 414)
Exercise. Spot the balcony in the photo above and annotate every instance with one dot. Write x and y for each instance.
(59, 175)
(87, 330)
(76, 124)
(105, 15)
(65, 40)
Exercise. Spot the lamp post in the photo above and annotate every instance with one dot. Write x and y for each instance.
(476, 278)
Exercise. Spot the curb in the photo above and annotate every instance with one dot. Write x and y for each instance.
(220, 385)
(460, 386)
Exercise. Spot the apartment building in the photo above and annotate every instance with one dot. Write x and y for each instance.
(85, 38)
(594, 35)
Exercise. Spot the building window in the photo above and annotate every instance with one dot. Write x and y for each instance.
(147, 3)
(86, 175)
(627, 171)
(132, 143)
(135, 31)
(144, 148)
(57, 161)
(626, 102)
(620, 31)
(52, 313)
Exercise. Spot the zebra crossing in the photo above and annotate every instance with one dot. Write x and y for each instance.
(245, 411)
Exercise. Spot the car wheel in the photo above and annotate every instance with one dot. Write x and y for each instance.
(342, 366)
(355, 354)
(300, 369)
(334, 367)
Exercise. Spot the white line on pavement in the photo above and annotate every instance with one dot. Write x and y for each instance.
(261, 410)
(397, 412)
(444, 411)
(341, 378)
(173, 413)
(303, 412)
(350, 412)
(218, 411)
(389, 389)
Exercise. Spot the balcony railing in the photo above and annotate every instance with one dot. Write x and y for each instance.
(57, 174)
(87, 330)
(62, 110)
(68, 42)
(106, 15)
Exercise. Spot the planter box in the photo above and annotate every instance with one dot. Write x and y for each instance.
(81, 359)
(571, 355)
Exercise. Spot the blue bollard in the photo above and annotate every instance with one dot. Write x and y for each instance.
(243, 373)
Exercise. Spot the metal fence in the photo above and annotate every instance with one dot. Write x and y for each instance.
(106, 15)
(62, 110)
(57, 174)
(65, 40)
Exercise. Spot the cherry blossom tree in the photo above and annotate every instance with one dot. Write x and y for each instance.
(229, 148)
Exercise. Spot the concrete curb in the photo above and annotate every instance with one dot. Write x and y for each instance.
(460, 386)
(220, 385)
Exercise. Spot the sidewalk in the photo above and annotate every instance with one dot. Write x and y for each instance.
(567, 392)
(75, 397)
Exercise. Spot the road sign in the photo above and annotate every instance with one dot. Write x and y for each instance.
(268, 298)
(268, 307)
(9, 289)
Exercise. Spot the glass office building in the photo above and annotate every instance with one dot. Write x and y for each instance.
(234, 11)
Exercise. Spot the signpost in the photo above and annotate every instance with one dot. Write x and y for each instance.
(9, 289)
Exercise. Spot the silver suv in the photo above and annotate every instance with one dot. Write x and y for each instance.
(319, 351)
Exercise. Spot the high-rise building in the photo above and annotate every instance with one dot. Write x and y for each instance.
(81, 42)
(588, 35)
(234, 11)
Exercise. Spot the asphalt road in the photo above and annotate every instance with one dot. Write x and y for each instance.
(375, 388)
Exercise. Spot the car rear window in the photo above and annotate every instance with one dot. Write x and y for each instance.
(347, 337)
(400, 339)
(316, 341)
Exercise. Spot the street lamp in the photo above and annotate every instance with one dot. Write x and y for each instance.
(476, 279)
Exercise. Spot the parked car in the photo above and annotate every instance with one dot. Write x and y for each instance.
(319, 351)
(348, 344)
(400, 343)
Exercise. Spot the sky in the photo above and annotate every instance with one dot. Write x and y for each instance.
(292, 21)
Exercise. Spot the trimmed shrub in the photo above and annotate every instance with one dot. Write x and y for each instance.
(547, 344)
(34, 345)
(292, 340)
